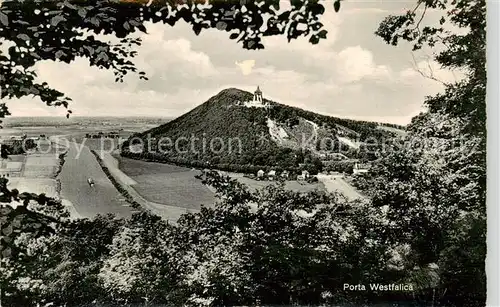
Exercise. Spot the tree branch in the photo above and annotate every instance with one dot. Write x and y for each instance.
(431, 72)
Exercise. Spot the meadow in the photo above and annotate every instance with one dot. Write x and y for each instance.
(41, 166)
(293, 185)
(177, 186)
(34, 185)
(167, 184)
(338, 184)
(16, 158)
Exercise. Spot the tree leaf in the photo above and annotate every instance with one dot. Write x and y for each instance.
(134, 23)
(197, 29)
(56, 20)
(59, 54)
(322, 34)
(142, 28)
(71, 6)
(234, 35)
(102, 56)
(314, 39)
(94, 21)
(24, 37)
(82, 12)
(4, 19)
(89, 49)
(221, 25)
(336, 6)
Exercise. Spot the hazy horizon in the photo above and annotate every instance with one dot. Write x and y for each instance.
(351, 74)
(63, 117)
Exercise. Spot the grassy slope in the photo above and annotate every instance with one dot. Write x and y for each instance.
(167, 184)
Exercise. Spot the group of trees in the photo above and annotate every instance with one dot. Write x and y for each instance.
(435, 195)
(117, 185)
(294, 162)
(110, 135)
(339, 166)
(17, 147)
(424, 224)
(272, 246)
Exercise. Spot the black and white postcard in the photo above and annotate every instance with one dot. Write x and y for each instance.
(243, 153)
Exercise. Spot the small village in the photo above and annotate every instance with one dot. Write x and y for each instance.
(101, 135)
(304, 175)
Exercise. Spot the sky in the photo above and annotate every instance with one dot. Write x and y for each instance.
(351, 74)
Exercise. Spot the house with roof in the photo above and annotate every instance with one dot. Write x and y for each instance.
(271, 175)
(360, 168)
(260, 174)
(285, 174)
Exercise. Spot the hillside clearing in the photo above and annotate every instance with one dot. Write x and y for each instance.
(348, 142)
(396, 131)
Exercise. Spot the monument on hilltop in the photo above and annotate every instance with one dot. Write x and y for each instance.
(257, 96)
(256, 102)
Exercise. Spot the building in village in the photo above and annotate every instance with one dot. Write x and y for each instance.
(360, 168)
(303, 176)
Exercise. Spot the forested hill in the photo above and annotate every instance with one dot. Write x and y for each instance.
(226, 134)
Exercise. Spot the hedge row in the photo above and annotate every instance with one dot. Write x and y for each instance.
(236, 168)
(62, 159)
(117, 185)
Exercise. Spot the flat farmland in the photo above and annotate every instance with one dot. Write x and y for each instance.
(34, 185)
(41, 166)
(16, 158)
(47, 147)
(167, 184)
(37, 160)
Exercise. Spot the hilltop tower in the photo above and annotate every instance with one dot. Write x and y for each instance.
(257, 96)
